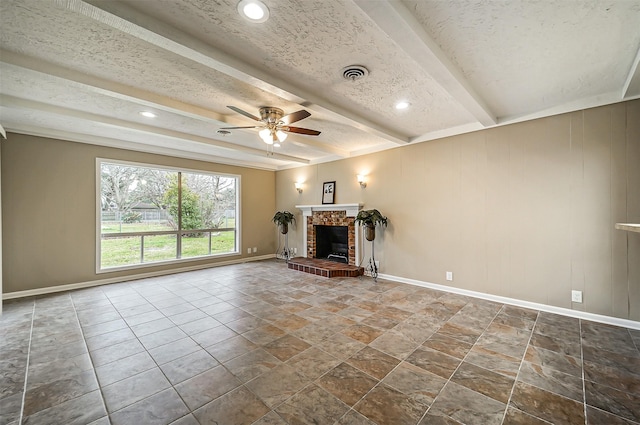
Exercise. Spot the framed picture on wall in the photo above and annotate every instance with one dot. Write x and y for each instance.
(328, 192)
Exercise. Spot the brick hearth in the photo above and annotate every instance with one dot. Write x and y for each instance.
(324, 268)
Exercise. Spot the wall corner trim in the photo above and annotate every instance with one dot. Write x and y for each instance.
(120, 279)
(632, 324)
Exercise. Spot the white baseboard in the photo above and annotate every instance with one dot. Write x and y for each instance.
(98, 282)
(632, 324)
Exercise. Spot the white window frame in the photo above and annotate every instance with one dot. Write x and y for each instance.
(98, 225)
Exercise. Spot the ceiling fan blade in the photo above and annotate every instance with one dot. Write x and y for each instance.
(295, 116)
(233, 128)
(245, 113)
(300, 130)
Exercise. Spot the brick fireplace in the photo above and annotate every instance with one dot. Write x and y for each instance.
(331, 215)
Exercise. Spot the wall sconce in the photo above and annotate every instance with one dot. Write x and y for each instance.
(362, 180)
(298, 187)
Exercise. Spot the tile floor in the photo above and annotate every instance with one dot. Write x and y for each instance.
(260, 344)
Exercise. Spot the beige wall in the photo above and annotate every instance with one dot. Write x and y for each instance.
(525, 211)
(49, 210)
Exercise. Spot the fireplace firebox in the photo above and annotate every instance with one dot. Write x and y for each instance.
(332, 243)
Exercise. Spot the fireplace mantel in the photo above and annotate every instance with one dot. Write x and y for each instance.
(350, 210)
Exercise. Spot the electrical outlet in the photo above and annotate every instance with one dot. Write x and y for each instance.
(248, 250)
(449, 276)
(255, 249)
(295, 250)
(377, 264)
(576, 296)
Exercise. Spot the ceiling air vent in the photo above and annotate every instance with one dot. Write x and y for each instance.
(354, 72)
(223, 132)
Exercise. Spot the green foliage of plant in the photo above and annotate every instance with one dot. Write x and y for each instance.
(191, 217)
(371, 218)
(131, 217)
(283, 217)
(217, 197)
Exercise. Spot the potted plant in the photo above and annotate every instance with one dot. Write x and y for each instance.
(283, 218)
(369, 219)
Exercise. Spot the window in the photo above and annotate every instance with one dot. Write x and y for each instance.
(149, 214)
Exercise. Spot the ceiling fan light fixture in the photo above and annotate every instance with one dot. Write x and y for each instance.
(265, 135)
(281, 135)
(275, 126)
(253, 11)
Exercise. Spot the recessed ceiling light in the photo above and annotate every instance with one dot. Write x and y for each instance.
(253, 10)
(402, 105)
(148, 114)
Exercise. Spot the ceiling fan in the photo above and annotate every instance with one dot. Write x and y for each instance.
(274, 124)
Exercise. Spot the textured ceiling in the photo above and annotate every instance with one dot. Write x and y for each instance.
(82, 70)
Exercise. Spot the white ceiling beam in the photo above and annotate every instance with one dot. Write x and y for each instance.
(448, 132)
(112, 89)
(138, 96)
(322, 147)
(15, 102)
(576, 105)
(405, 30)
(91, 139)
(632, 83)
(136, 24)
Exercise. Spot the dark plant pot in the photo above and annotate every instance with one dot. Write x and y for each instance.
(285, 228)
(369, 232)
